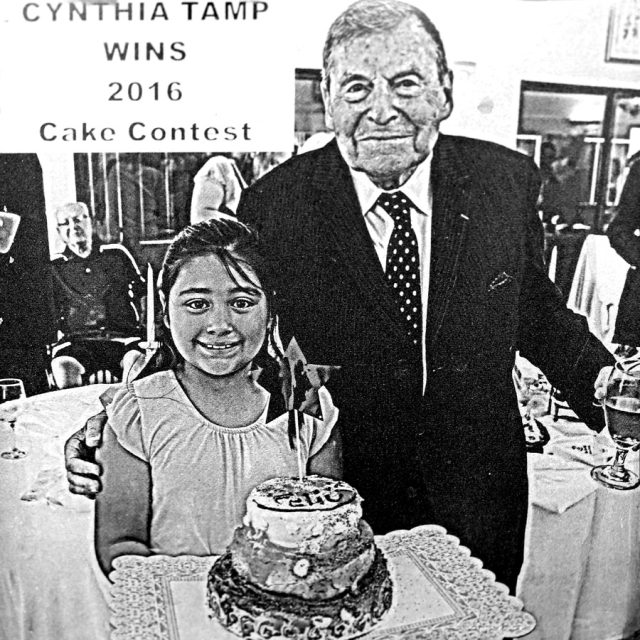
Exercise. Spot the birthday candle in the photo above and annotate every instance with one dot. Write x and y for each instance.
(301, 474)
(151, 324)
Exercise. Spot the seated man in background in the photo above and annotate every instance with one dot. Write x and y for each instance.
(98, 293)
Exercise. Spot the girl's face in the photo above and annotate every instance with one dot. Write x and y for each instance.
(218, 325)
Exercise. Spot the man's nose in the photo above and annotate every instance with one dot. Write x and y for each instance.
(382, 109)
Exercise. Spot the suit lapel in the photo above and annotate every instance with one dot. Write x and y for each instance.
(347, 236)
(451, 215)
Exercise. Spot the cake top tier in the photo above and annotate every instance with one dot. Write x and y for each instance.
(308, 514)
(312, 493)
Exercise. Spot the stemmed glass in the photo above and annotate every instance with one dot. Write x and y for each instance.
(622, 415)
(12, 395)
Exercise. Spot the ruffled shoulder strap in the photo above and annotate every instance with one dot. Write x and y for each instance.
(125, 420)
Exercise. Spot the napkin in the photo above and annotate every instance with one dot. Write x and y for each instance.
(558, 483)
(582, 449)
(561, 476)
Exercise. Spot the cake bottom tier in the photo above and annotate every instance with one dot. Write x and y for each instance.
(312, 576)
(250, 612)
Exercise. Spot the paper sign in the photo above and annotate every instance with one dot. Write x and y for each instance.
(139, 76)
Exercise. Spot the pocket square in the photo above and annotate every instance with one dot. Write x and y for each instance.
(501, 280)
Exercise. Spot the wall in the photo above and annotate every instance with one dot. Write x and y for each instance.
(59, 187)
(494, 44)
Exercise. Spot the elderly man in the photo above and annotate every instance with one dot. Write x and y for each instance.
(97, 291)
(413, 259)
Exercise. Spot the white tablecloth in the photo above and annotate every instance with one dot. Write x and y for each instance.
(48, 589)
(597, 285)
(581, 576)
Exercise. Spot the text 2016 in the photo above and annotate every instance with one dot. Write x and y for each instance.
(135, 91)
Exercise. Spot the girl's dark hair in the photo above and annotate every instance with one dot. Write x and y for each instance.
(237, 247)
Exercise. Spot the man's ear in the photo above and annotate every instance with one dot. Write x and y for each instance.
(447, 90)
(326, 99)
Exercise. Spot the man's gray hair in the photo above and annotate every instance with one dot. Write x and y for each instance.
(377, 16)
(80, 207)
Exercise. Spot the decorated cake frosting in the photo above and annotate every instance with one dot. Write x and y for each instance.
(303, 565)
(304, 514)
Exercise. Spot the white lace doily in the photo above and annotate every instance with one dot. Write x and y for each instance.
(440, 593)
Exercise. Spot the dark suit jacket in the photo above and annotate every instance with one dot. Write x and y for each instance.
(623, 238)
(27, 320)
(456, 456)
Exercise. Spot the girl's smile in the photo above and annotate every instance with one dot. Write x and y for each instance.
(218, 320)
(218, 347)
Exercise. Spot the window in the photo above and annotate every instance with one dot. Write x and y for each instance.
(580, 137)
(142, 199)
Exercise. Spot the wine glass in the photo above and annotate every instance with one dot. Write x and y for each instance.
(622, 416)
(12, 395)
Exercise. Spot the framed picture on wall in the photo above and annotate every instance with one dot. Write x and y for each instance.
(623, 41)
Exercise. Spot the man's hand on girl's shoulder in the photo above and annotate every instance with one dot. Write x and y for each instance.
(83, 473)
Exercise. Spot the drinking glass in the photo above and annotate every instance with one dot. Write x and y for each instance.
(622, 416)
(12, 395)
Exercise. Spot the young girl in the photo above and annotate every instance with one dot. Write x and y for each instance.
(184, 445)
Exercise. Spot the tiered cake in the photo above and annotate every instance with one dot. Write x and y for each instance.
(304, 565)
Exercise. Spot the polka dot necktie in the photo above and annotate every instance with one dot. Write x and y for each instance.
(403, 263)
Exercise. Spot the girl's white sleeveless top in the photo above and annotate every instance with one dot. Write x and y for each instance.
(201, 472)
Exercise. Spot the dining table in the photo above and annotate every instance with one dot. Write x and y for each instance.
(580, 579)
(581, 574)
(48, 585)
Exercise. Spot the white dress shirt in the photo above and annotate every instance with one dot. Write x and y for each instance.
(380, 226)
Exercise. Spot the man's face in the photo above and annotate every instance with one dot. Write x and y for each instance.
(385, 101)
(75, 229)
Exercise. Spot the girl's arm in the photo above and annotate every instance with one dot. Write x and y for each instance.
(123, 508)
(328, 461)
